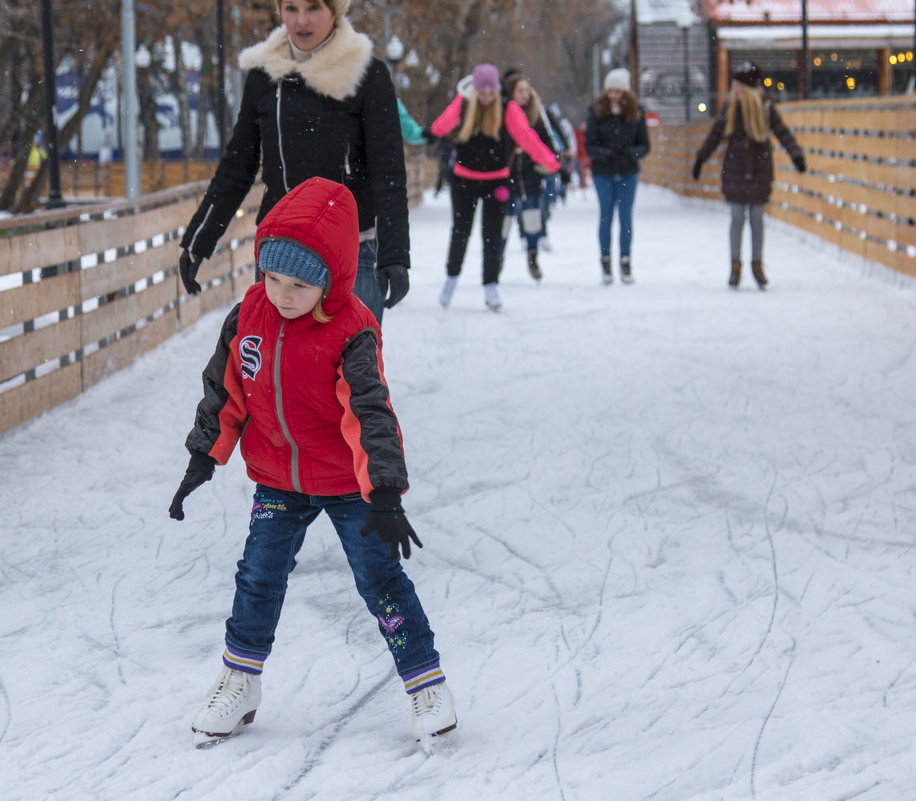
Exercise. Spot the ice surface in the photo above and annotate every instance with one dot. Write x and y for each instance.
(669, 555)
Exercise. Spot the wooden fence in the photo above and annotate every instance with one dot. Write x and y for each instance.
(859, 191)
(89, 178)
(86, 290)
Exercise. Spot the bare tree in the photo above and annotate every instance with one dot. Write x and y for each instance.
(552, 43)
(84, 36)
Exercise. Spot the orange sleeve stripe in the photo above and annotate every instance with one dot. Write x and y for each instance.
(351, 430)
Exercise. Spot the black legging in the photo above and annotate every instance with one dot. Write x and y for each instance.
(465, 194)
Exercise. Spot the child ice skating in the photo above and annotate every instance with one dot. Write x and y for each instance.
(297, 378)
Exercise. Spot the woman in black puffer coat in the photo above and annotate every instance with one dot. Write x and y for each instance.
(746, 120)
(616, 139)
(316, 103)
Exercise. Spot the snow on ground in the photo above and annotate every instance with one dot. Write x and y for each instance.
(669, 555)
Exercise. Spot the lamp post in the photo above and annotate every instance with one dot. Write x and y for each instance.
(394, 52)
(805, 56)
(55, 199)
(129, 105)
(684, 21)
(221, 75)
(146, 107)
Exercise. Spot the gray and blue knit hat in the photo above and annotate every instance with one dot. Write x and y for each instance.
(288, 258)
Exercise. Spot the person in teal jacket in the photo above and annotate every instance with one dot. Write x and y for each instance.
(411, 132)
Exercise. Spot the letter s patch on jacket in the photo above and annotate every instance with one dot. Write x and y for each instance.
(250, 356)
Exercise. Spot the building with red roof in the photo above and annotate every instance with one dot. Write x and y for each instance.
(684, 51)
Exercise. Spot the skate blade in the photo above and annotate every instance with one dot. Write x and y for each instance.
(446, 730)
(203, 739)
(435, 744)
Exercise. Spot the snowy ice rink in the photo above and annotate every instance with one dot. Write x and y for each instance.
(669, 555)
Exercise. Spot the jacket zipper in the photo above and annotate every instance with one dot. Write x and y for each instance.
(278, 398)
(280, 136)
(199, 229)
(347, 161)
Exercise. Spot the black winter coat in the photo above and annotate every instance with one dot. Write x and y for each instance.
(524, 176)
(335, 116)
(747, 167)
(614, 145)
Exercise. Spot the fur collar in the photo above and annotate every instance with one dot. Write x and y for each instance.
(335, 70)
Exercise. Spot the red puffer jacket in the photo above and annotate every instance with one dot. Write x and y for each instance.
(307, 399)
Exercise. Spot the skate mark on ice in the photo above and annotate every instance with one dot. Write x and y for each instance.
(763, 726)
(331, 733)
(7, 709)
(555, 745)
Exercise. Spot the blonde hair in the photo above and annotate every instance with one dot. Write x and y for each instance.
(481, 120)
(318, 312)
(753, 113)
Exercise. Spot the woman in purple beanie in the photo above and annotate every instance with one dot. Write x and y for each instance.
(485, 133)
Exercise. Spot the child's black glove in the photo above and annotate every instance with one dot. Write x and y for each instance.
(387, 519)
(394, 277)
(188, 265)
(697, 166)
(799, 162)
(200, 470)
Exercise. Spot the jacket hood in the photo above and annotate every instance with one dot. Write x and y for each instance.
(321, 216)
(335, 70)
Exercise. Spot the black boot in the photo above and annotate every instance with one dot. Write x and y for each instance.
(606, 275)
(625, 275)
(533, 268)
(735, 278)
(757, 270)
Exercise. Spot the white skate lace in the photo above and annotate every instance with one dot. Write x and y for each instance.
(229, 690)
(426, 701)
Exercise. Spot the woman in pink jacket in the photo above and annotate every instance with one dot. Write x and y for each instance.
(485, 133)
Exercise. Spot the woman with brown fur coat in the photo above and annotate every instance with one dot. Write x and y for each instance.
(746, 121)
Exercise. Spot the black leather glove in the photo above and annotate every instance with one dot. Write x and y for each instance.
(799, 162)
(428, 135)
(697, 166)
(188, 264)
(200, 470)
(394, 282)
(387, 519)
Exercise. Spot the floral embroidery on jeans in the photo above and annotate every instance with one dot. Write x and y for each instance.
(390, 622)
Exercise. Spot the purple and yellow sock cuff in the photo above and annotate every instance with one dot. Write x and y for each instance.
(423, 677)
(239, 660)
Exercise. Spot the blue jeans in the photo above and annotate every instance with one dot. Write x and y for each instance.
(277, 530)
(619, 191)
(367, 288)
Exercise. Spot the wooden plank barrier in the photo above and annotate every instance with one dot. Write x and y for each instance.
(859, 190)
(86, 290)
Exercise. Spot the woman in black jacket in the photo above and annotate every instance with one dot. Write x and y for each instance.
(526, 177)
(316, 103)
(616, 139)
